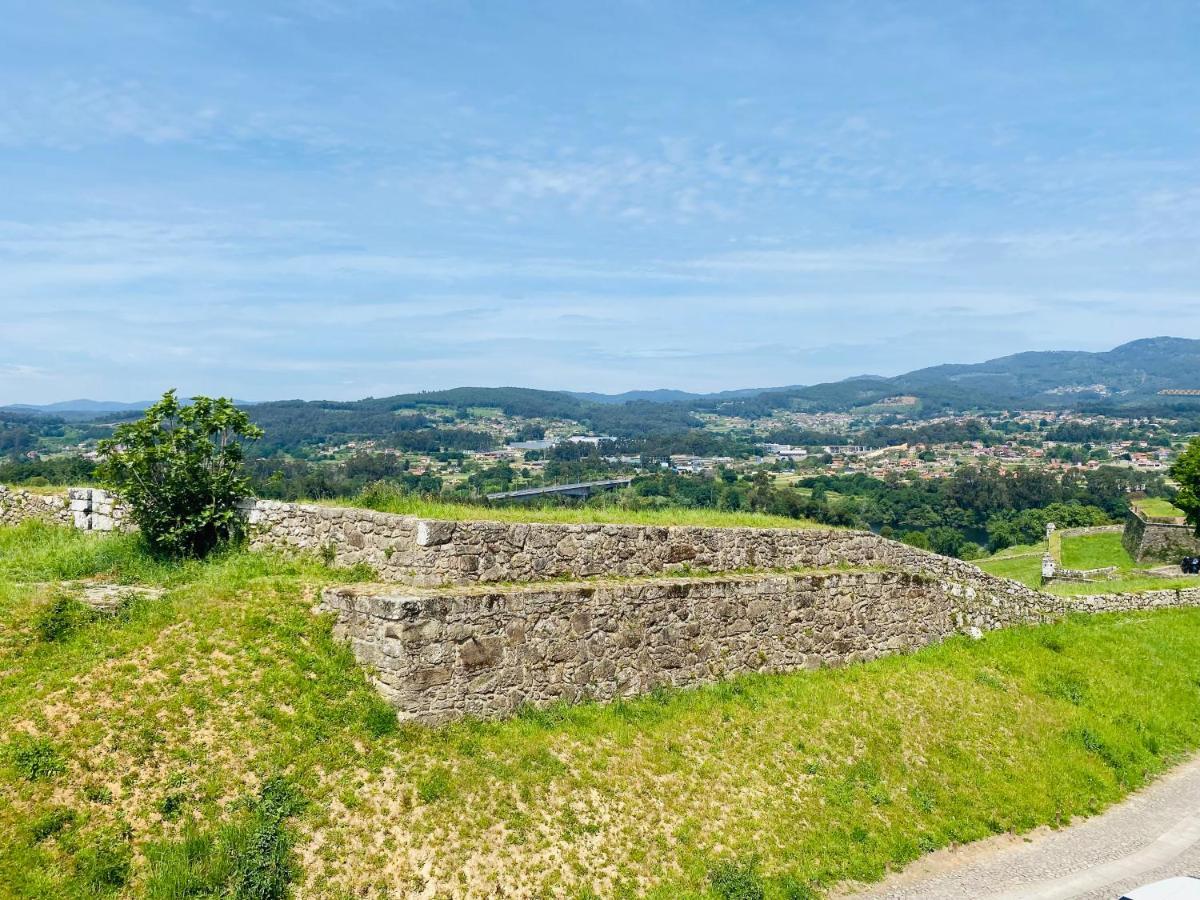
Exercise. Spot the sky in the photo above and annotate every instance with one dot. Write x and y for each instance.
(334, 199)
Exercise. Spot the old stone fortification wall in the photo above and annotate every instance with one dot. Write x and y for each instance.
(465, 627)
(88, 509)
(432, 552)
(439, 654)
(1147, 540)
(17, 505)
(429, 552)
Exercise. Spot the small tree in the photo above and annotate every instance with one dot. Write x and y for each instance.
(1186, 470)
(179, 468)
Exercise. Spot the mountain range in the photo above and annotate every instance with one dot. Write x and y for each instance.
(1132, 374)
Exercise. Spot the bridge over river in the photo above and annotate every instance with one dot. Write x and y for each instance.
(579, 489)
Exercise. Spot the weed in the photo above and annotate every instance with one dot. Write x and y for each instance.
(1068, 685)
(987, 679)
(434, 786)
(737, 880)
(97, 793)
(34, 759)
(51, 823)
(380, 719)
(249, 857)
(61, 616)
(171, 805)
(104, 863)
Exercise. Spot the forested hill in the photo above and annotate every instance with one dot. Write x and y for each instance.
(1126, 378)
(422, 417)
(1130, 375)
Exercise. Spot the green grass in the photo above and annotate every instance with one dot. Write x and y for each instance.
(1023, 564)
(137, 755)
(410, 505)
(1095, 551)
(1124, 584)
(1088, 551)
(1158, 507)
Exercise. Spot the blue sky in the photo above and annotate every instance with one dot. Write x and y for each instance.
(329, 199)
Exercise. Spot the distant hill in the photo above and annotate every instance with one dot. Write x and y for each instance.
(81, 406)
(88, 409)
(1129, 375)
(667, 395)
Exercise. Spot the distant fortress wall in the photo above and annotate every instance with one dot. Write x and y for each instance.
(1147, 539)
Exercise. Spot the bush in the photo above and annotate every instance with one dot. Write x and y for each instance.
(179, 468)
(1186, 470)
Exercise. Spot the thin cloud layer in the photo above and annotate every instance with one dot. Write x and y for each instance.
(337, 199)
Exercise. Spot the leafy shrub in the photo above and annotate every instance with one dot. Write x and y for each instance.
(61, 616)
(736, 880)
(180, 470)
(34, 759)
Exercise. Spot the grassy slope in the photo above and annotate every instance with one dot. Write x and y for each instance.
(1157, 506)
(1023, 564)
(1089, 551)
(185, 704)
(1095, 551)
(436, 509)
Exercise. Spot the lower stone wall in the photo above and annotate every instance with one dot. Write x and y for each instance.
(448, 644)
(436, 655)
(1146, 540)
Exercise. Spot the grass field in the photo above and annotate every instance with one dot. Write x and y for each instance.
(411, 505)
(218, 742)
(1023, 564)
(1086, 551)
(1158, 507)
(1095, 551)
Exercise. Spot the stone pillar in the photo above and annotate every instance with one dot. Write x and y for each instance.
(1048, 566)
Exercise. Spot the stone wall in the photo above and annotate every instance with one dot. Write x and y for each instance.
(430, 552)
(439, 654)
(448, 638)
(88, 509)
(1147, 540)
(17, 505)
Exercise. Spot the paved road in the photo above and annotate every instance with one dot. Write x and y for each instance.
(1154, 834)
